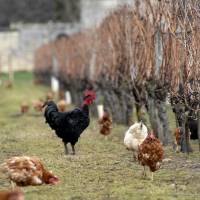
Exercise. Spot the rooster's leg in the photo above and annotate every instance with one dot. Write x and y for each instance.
(66, 149)
(73, 149)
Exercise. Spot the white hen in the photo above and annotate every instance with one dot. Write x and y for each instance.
(134, 136)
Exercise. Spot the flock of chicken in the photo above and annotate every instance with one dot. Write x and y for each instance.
(38, 104)
(68, 126)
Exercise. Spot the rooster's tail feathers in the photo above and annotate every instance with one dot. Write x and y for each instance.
(51, 114)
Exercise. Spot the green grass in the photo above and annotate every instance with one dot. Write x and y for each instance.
(102, 169)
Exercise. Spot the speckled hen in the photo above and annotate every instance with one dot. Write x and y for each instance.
(25, 170)
(150, 153)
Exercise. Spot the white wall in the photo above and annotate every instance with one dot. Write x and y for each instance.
(93, 11)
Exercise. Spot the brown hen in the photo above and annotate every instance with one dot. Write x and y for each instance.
(151, 154)
(179, 137)
(38, 105)
(62, 105)
(49, 96)
(26, 171)
(24, 108)
(178, 133)
(105, 124)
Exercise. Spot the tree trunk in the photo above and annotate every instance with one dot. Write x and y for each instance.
(118, 105)
(129, 113)
(154, 119)
(185, 143)
(123, 107)
(162, 114)
(139, 113)
(198, 129)
(93, 110)
(116, 108)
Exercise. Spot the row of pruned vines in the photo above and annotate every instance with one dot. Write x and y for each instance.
(138, 56)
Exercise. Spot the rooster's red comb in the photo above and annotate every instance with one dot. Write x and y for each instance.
(90, 93)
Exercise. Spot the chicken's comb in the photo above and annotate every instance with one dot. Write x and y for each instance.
(91, 93)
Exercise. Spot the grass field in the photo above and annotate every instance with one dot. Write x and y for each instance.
(101, 170)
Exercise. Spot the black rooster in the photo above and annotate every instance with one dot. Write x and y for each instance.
(70, 125)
